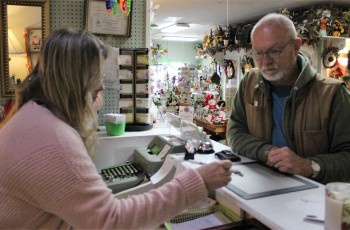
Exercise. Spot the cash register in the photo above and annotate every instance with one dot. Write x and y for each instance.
(149, 159)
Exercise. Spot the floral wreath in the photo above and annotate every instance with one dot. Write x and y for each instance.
(330, 57)
(229, 69)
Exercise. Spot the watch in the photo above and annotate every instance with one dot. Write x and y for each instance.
(315, 168)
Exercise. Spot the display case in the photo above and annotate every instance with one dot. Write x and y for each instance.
(135, 101)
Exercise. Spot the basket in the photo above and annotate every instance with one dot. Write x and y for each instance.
(200, 212)
(115, 129)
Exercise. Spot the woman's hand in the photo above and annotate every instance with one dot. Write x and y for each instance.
(216, 174)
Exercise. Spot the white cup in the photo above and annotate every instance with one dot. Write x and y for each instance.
(337, 211)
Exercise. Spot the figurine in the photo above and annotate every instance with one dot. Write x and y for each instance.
(212, 106)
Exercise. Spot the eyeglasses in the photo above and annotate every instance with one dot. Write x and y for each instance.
(272, 53)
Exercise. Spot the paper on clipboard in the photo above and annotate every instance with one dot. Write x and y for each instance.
(264, 181)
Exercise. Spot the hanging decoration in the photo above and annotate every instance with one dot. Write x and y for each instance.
(157, 52)
(247, 63)
(330, 56)
(229, 69)
(112, 6)
(310, 23)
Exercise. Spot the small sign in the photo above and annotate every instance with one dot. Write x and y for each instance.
(186, 113)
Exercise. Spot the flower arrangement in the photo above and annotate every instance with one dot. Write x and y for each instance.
(157, 52)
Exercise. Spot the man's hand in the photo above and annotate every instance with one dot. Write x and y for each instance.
(287, 161)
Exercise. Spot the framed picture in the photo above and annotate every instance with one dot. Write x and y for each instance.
(98, 21)
(34, 39)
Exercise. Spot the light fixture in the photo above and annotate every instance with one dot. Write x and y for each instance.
(180, 38)
(175, 28)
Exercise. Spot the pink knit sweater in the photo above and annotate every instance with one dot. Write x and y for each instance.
(47, 180)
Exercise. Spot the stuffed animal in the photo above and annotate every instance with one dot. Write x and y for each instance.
(222, 116)
(210, 118)
(212, 106)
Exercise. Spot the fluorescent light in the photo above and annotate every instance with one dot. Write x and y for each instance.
(180, 38)
(175, 28)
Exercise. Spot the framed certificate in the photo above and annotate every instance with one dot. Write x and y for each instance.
(98, 21)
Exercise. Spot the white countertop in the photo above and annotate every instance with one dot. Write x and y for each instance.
(158, 128)
(283, 211)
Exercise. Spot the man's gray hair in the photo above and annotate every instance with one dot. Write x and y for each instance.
(275, 18)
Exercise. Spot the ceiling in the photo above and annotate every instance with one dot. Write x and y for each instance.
(203, 15)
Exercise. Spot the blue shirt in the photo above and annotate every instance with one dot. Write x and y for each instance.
(279, 95)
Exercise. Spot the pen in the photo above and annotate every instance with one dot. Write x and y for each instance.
(235, 171)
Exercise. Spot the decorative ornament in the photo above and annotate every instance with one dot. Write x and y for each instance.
(247, 64)
(157, 52)
(337, 28)
(323, 27)
(330, 57)
(337, 71)
(108, 6)
(229, 69)
(112, 6)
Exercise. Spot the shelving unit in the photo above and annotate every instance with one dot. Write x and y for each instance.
(135, 101)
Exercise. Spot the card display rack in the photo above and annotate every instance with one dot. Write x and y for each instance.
(135, 101)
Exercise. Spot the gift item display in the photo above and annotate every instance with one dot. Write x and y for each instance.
(195, 86)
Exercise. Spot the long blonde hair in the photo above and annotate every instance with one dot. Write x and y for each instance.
(66, 78)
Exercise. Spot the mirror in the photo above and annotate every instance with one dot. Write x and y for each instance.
(24, 26)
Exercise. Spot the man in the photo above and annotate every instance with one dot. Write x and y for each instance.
(285, 114)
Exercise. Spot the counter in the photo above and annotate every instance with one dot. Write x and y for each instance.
(283, 211)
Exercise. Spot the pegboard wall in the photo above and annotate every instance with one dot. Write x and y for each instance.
(71, 13)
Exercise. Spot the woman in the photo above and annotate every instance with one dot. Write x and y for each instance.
(47, 177)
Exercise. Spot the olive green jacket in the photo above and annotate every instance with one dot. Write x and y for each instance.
(316, 121)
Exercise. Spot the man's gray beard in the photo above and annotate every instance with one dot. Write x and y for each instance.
(276, 77)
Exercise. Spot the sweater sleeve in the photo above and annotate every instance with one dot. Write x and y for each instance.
(68, 186)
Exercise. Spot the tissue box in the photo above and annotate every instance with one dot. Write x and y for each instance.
(115, 124)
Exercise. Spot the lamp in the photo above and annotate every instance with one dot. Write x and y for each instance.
(14, 46)
(180, 38)
(175, 28)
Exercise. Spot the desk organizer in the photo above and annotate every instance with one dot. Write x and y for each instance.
(135, 101)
